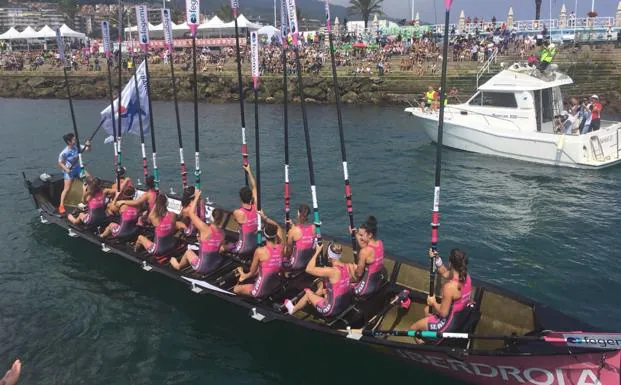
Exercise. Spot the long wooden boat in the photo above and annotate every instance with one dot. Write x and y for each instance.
(514, 359)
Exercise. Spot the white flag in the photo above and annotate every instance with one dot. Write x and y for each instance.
(105, 33)
(129, 109)
(284, 21)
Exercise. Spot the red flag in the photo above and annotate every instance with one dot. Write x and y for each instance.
(447, 4)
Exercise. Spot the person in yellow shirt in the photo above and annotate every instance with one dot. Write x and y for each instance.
(429, 97)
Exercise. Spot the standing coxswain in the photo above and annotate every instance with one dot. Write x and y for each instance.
(68, 162)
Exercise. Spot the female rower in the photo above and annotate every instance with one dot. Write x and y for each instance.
(266, 264)
(199, 210)
(148, 198)
(246, 218)
(129, 219)
(301, 240)
(165, 228)
(211, 238)
(68, 162)
(111, 192)
(369, 269)
(335, 292)
(455, 293)
(96, 213)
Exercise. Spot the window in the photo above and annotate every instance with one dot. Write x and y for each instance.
(476, 100)
(499, 99)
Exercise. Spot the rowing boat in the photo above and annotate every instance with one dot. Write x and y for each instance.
(515, 358)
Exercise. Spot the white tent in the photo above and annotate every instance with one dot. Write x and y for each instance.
(28, 33)
(269, 31)
(65, 31)
(46, 33)
(135, 28)
(11, 34)
(242, 22)
(214, 23)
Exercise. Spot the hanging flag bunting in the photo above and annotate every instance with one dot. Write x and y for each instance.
(167, 26)
(254, 57)
(234, 7)
(293, 20)
(143, 26)
(192, 9)
(61, 46)
(105, 33)
(129, 110)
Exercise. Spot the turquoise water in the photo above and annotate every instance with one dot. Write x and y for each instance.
(75, 315)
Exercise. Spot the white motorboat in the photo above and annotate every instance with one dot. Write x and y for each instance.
(513, 116)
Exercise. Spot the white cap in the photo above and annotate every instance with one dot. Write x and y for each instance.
(595, 97)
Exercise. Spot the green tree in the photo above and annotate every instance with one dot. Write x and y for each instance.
(364, 8)
(538, 9)
(69, 8)
(225, 13)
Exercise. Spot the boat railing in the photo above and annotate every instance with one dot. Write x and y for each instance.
(484, 115)
(486, 67)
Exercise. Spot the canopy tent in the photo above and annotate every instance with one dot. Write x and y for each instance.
(28, 33)
(213, 23)
(269, 31)
(242, 22)
(46, 33)
(11, 34)
(65, 31)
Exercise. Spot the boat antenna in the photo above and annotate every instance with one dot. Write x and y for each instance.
(143, 36)
(193, 15)
(117, 141)
(244, 148)
(285, 44)
(337, 99)
(435, 217)
(168, 38)
(293, 27)
(105, 33)
(254, 61)
(61, 53)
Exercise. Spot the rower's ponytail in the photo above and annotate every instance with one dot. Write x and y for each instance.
(459, 262)
(370, 225)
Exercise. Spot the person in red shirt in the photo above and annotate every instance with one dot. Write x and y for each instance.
(596, 109)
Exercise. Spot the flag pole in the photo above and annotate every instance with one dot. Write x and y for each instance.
(192, 15)
(105, 33)
(240, 86)
(168, 38)
(435, 217)
(119, 134)
(337, 100)
(254, 56)
(284, 43)
(143, 36)
(293, 27)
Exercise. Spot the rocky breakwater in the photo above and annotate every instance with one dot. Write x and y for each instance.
(214, 88)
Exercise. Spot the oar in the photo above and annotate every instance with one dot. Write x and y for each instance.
(293, 26)
(119, 125)
(244, 148)
(254, 56)
(61, 53)
(337, 100)
(435, 216)
(143, 36)
(90, 138)
(285, 86)
(168, 38)
(105, 32)
(145, 165)
(574, 339)
(193, 19)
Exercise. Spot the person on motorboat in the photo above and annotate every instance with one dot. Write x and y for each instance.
(429, 97)
(165, 228)
(547, 53)
(112, 193)
(370, 267)
(211, 237)
(187, 199)
(596, 110)
(129, 218)
(96, 204)
(455, 293)
(334, 292)
(300, 240)
(246, 218)
(266, 264)
(68, 162)
(148, 198)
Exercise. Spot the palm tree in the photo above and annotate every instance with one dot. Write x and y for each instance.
(538, 9)
(365, 8)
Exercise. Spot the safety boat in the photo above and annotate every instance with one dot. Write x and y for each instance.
(501, 338)
(513, 115)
